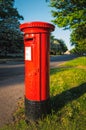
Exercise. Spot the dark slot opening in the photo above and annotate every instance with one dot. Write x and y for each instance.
(29, 39)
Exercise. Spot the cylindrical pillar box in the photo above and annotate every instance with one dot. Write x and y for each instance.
(36, 48)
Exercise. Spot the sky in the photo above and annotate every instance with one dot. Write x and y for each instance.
(39, 10)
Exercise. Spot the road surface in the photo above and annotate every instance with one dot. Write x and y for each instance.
(12, 85)
(12, 69)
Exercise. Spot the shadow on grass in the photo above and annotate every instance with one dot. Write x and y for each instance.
(59, 101)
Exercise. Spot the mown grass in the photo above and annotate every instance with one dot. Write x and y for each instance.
(81, 61)
(68, 100)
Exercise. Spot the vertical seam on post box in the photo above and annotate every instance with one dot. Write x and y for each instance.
(40, 63)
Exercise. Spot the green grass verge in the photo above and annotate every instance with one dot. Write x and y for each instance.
(68, 100)
(81, 61)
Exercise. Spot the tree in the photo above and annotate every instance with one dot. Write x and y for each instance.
(57, 46)
(78, 38)
(63, 47)
(10, 35)
(71, 14)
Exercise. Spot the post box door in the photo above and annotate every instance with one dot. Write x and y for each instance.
(32, 67)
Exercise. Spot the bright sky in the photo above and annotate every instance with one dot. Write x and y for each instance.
(39, 10)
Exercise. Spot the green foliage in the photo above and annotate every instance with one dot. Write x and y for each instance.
(57, 46)
(78, 34)
(78, 38)
(71, 14)
(68, 100)
(10, 35)
(80, 49)
(7, 10)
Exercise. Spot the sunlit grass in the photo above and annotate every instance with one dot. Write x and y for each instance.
(81, 61)
(68, 100)
(65, 79)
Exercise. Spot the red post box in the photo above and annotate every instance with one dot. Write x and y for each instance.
(36, 48)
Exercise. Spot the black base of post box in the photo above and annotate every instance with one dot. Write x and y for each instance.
(35, 110)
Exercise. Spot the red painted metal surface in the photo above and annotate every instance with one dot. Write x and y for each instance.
(36, 41)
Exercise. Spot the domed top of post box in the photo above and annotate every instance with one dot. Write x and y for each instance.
(37, 26)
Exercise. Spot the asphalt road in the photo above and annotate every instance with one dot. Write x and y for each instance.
(9, 70)
(12, 85)
(12, 69)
